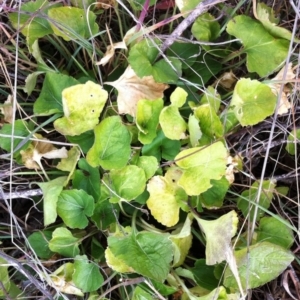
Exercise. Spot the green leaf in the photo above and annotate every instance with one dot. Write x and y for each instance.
(246, 202)
(203, 69)
(86, 275)
(64, 243)
(147, 116)
(252, 101)
(148, 253)
(292, 141)
(186, 5)
(87, 179)
(186, 51)
(274, 230)
(50, 99)
(149, 164)
(162, 147)
(166, 197)
(211, 97)
(204, 275)
(117, 264)
(51, 191)
(200, 166)
(127, 183)
(32, 21)
(74, 206)
(72, 22)
(206, 28)
(142, 58)
(218, 235)
(84, 140)
(210, 124)
(265, 53)
(178, 97)
(82, 105)
(182, 241)
(105, 214)
(258, 264)
(214, 196)
(195, 132)
(21, 129)
(111, 149)
(39, 241)
(4, 277)
(140, 294)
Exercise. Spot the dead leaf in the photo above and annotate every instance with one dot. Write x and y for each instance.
(132, 88)
(227, 80)
(7, 110)
(278, 80)
(31, 157)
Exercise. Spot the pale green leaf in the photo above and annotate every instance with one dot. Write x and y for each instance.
(212, 98)
(74, 206)
(51, 191)
(252, 101)
(182, 241)
(111, 148)
(72, 22)
(148, 253)
(140, 294)
(117, 264)
(200, 166)
(266, 17)
(127, 183)
(64, 243)
(86, 275)
(195, 132)
(149, 164)
(218, 235)
(210, 123)
(178, 97)
(82, 105)
(265, 53)
(258, 264)
(172, 123)
(147, 118)
(166, 197)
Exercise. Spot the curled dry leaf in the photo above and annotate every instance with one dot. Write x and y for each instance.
(31, 157)
(278, 80)
(131, 89)
(7, 110)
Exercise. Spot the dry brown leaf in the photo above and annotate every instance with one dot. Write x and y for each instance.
(7, 110)
(278, 80)
(31, 157)
(132, 88)
(228, 80)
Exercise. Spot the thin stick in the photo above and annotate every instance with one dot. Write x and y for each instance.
(196, 12)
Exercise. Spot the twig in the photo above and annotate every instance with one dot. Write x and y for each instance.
(196, 12)
(21, 194)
